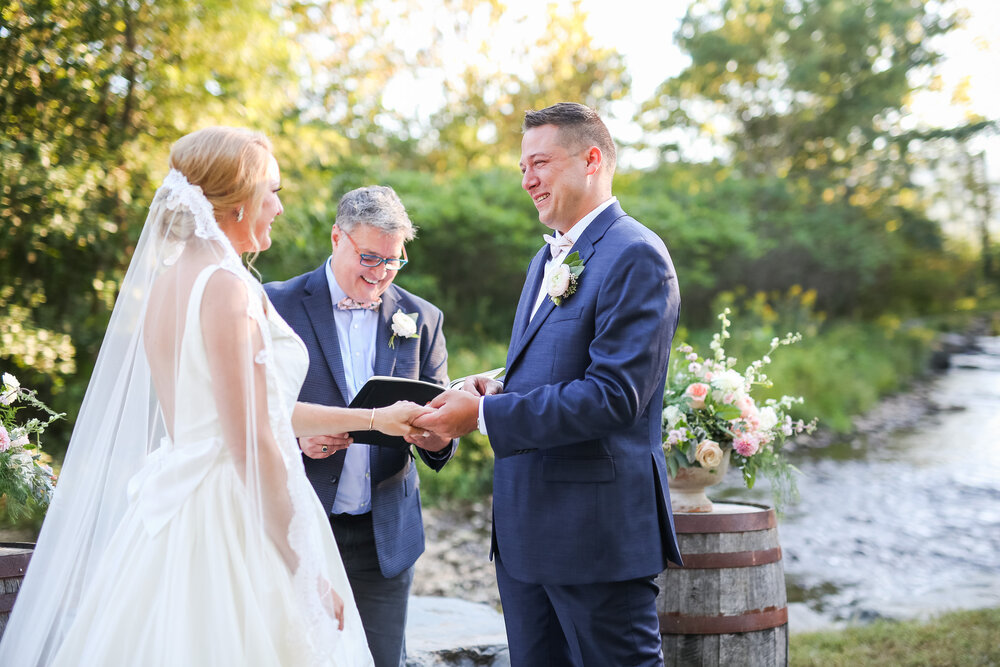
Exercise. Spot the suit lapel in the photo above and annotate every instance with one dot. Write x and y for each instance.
(319, 308)
(529, 293)
(585, 246)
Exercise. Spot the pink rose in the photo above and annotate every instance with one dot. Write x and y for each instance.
(746, 405)
(4, 439)
(697, 392)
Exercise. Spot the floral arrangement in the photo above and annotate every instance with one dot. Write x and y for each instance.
(25, 475)
(710, 412)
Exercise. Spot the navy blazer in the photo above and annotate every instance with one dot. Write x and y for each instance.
(304, 302)
(580, 483)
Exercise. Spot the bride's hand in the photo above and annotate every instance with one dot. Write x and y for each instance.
(395, 419)
(333, 603)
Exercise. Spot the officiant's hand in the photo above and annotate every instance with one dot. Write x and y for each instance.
(480, 385)
(457, 414)
(322, 446)
(432, 442)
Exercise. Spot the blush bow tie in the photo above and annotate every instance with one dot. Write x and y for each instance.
(557, 245)
(347, 303)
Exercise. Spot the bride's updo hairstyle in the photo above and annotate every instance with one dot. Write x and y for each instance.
(229, 164)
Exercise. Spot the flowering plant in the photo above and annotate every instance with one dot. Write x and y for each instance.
(564, 280)
(404, 325)
(25, 475)
(710, 412)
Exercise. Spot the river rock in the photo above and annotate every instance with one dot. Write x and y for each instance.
(448, 632)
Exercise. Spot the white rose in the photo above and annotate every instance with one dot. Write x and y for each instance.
(559, 281)
(403, 325)
(768, 418)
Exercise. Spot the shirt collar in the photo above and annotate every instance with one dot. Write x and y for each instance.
(577, 230)
(336, 293)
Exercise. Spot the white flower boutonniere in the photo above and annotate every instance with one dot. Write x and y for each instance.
(403, 325)
(564, 280)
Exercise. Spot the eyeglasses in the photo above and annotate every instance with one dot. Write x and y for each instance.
(371, 261)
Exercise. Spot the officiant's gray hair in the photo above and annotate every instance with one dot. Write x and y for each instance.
(377, 206)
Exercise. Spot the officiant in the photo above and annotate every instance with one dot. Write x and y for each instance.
(355, 324)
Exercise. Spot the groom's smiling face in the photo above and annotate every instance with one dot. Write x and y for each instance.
(363, 283)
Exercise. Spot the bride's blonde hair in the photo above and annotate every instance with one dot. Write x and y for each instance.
(230, 165)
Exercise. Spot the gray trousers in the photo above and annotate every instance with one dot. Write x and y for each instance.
(381, 602)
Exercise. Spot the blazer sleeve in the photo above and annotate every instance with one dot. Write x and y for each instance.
(635, 316)
(434, 368)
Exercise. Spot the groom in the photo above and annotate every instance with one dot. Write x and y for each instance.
(581, 511)
(343, 311)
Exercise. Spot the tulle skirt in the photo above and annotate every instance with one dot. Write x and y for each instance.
(198, 592)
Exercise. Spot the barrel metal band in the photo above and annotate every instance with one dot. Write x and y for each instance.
(727, 560)
(751, 621)
(725, 523)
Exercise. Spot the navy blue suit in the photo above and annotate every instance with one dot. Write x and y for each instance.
(581, 507)
(304, 302)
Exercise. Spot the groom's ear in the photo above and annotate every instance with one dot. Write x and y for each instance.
(594, 160)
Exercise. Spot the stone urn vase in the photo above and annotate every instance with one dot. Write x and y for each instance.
(687, 489)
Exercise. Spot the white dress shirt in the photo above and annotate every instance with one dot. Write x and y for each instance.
(551, 264)
(356, 333)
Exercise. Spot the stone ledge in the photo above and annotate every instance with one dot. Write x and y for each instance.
(448, 632)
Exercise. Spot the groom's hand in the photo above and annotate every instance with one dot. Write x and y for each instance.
(457, 414)
(322, 446)
(480, 385)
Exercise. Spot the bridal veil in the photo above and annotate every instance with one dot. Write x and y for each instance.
(135, 452)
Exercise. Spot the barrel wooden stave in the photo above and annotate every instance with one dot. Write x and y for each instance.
(728, 605)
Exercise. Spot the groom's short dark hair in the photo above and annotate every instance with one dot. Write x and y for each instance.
(578, 125)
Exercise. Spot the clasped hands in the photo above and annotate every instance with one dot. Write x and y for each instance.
(451, 414)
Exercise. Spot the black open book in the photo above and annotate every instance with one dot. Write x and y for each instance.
(381, 390)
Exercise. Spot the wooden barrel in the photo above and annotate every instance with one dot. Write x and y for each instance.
(14, 557)
(727, 605)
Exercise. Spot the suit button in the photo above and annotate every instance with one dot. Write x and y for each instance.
(333, 480)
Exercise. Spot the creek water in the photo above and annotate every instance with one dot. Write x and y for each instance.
(904, 525)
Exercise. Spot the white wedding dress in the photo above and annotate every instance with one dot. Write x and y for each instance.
(182, 582)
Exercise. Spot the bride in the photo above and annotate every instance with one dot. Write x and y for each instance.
(183, 530)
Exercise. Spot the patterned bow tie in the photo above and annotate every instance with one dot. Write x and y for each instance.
(557, 245)
(347, 303)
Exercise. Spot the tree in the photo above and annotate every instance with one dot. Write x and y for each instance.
(808, 97)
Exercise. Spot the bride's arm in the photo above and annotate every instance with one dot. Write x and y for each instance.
(312, 419)
(239, 384)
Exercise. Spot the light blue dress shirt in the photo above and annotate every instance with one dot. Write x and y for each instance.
(356, 332)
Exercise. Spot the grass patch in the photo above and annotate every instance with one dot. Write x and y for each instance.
(958, 639)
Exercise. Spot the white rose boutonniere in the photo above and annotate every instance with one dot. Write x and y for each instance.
(564, 280)
(404, 325)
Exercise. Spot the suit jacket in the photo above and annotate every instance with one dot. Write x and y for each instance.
(580, 482)
(304, 302)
